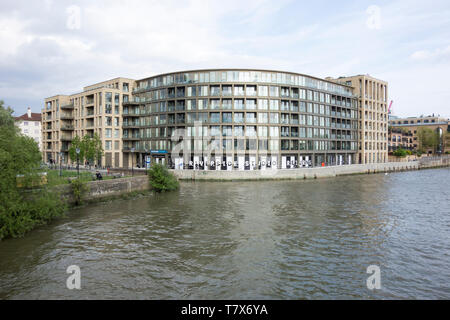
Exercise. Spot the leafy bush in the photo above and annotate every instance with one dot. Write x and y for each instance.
(79, 189)
(161, 179)
(400, 153)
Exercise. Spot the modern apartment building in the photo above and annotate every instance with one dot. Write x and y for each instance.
(409, 127)
(240, 120)
(225, 119)
(97, 109)
(30, 125)
(373, 117)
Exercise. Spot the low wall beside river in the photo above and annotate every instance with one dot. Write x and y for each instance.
(106, 188)
(302, 173)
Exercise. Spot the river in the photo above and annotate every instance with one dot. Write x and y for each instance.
(308, 239)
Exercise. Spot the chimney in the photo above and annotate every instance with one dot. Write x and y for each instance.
(29, 112)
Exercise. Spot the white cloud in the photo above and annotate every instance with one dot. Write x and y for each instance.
(431, 54)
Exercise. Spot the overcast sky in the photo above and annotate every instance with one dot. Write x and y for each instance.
(56, 47)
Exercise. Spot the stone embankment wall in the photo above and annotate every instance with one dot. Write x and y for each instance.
(107, 188)
(302, 173)
(434, 162)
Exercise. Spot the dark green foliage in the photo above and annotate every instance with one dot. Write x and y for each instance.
(21, 209)
(79, 189)
(90, 148)
(400, 153)
(161, 179)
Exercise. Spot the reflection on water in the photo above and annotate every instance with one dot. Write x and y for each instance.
(247, 240)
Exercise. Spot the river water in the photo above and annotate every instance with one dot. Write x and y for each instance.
(309, 239)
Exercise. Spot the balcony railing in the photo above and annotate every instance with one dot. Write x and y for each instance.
(67, 106)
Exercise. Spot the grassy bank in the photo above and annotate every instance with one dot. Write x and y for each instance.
(54, 178)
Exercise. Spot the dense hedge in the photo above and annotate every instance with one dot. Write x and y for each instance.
(161, 179)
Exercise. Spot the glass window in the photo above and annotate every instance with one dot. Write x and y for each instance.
(226, 104)
(274, 132)
(227, 91)
(262, 117)
(202, 104)
(238, 90)
(250, 131)
(250, 104)
(203, 91)
(215, 90)
(227, 131)
(215, 104)
(238, 117)
(251, 91)
(215, 117)
(250, 117)
(262, 131)
(274, 118)
(239, 131)
(227, 117)
(239, 104)
(192, 91)
(274, 104)
(263, 104)
(274, 91)
(215, 131)
(191, 105)
(263, 91)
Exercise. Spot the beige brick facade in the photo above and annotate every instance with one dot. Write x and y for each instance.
(97, 109)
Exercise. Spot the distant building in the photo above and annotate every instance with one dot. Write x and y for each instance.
(407, 128)
(30, 125)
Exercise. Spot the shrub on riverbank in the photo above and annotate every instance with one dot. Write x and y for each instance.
(79, 189)
(22, 207)
(401, 153)
(161, 179)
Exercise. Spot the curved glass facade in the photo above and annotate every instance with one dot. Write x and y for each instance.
(240, 120)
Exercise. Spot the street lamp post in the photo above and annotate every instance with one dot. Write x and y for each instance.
(78, 163)
(60, 163)
(132, 161)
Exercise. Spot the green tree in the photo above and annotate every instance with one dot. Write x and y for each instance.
(93, 147)
(428, 139)
(75, 144)
(161, 179)
(90, 148)
(21, 209)
(400, 153)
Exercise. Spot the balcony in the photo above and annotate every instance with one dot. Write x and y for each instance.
(131, 125)
(131, 113)
(67, 106)
(130, 103)
(66, 137)
(132, 137)
(66, 116)
(67, 127)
